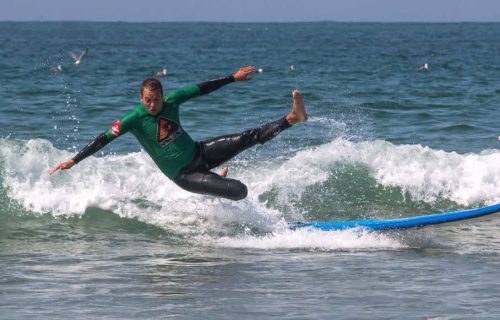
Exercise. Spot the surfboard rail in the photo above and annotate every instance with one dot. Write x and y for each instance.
(402, 223)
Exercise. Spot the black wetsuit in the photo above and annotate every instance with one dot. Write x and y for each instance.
(197, 177)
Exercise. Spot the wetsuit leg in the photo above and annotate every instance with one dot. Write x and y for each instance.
(196, 177)
(219, 150)
(207, 182)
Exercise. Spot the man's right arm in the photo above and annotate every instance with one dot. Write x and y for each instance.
(118, 128)
(95, 145)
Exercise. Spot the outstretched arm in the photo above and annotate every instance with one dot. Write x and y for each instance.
(212, 85)
(95, 145)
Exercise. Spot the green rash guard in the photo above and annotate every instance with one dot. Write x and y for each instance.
(162, 136)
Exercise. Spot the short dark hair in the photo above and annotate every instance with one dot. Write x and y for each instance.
(152, 84)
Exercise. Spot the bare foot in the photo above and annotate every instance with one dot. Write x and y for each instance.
(298, 113)
(224, 172)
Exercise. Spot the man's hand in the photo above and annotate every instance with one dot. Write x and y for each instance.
(63, 166)
(242, 74)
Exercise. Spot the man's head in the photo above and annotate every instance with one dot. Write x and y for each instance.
(152, 96)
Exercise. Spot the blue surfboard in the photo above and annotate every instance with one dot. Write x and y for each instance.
(404, 223)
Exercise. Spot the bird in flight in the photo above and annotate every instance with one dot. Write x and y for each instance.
(79, 59)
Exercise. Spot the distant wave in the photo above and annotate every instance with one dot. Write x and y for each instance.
(459, 128)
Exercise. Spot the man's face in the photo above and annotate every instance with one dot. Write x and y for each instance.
(152, 100)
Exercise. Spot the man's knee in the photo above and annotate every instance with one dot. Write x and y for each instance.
(237, 191)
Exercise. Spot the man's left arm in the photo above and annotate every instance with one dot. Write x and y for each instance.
(187, 93)
(212, 85)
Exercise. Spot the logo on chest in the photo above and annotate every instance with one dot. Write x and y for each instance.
(167, 131)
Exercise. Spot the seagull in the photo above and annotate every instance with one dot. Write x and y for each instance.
(162, 73)
(79, 59)
(57, 68)
(292, 67)
(423, 68)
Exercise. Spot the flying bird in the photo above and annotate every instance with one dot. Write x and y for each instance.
(79, 59)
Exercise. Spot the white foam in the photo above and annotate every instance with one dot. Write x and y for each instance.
(132, 186)
(129, 185)
(423, 173)
(313, 240)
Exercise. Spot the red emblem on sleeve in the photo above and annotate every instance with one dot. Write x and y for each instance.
(115, 129)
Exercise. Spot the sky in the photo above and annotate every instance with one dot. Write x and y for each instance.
(251, 10)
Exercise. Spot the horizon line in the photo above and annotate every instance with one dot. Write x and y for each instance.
(255, 22)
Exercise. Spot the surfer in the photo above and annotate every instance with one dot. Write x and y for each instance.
(188, 163)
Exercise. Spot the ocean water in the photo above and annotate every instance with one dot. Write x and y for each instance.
(113, 238)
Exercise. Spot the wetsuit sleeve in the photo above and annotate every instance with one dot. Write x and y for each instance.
(95, 145)
(212, 85)
(182, 95)
(121, 126)
(118, 128)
